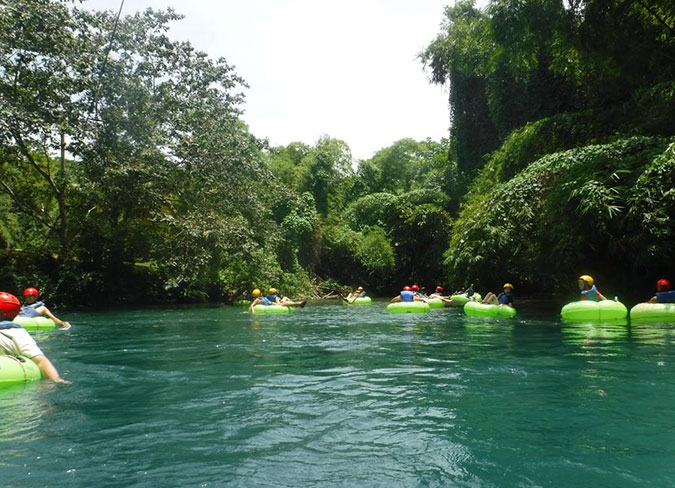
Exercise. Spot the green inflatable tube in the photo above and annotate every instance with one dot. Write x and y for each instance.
(359, 301)
(477, 309)
(271, 309)
(15, 370)
(463, 298)
(37, 323)
(596, 311)
(653, 312)
(408, 307)
(436, 303)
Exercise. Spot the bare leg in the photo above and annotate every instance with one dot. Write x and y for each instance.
(48, 368)
(490, 298)
(287, 302)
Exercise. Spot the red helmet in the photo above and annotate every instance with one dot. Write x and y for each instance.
(406, 288)
(9, 305)
(415, 288)
(663, 285)
(439, 288)
(31, 291)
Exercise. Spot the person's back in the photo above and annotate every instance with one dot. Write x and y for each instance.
(407, 295)
(663, 292)
(665, 296)
(272, 296)
(258, 299)
(587, 289)
(590, 294)
(8, 324)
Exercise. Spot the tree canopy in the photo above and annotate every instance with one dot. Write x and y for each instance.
(128, 176)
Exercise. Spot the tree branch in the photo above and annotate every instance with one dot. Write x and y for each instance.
(29, 157)
(45, 152)
(656, 16)
(24, 207)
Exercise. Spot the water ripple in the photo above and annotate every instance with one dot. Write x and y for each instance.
(344, 396)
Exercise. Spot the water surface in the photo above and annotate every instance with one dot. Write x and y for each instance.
(344, 396)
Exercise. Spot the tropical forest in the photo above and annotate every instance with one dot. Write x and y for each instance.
(128, 177)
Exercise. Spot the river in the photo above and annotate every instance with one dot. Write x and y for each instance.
(343, 396)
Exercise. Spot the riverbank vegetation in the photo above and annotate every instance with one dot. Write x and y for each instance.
(127, 175)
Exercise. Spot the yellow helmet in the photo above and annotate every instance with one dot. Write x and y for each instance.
(272, 291)
(256, 293)
(587, 279)
(359, 288)
(508, 285)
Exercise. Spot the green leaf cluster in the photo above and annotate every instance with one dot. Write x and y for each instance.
(521, 61)
(581, 209)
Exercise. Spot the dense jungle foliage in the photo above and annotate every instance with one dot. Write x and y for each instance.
(128, 177)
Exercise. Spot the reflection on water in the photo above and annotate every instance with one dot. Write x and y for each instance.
(332, 395)
(653, 333)
(23, 406)
(587, 332)
(601, 341)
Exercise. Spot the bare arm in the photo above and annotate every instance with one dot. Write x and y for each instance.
(48, 369)
(45, 311)
(253, 304)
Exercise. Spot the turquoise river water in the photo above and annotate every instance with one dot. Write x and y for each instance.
(344, 396)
